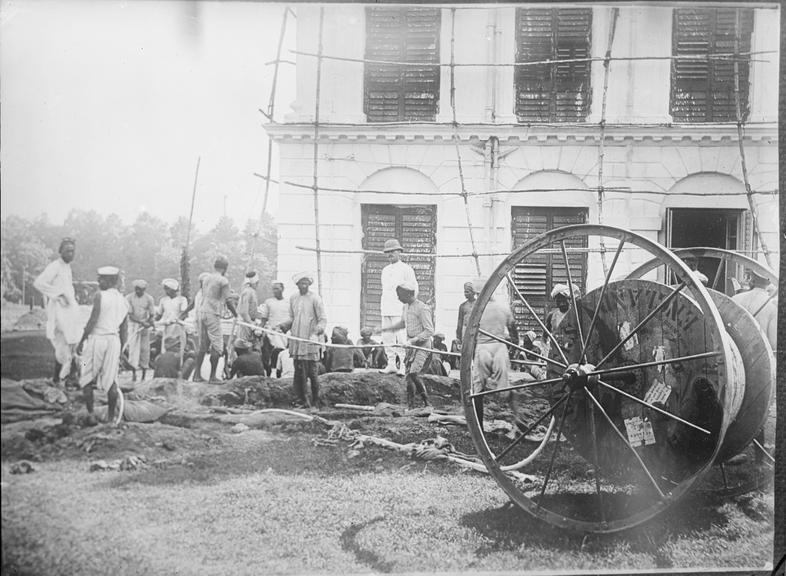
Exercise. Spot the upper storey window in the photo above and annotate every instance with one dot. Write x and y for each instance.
(395, 92)
(558, 92)
(702, 89)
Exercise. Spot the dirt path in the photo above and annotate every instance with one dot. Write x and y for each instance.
(283, 500)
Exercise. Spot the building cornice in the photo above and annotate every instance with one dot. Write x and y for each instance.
(766, 133)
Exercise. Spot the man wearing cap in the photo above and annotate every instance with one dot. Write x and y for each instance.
(102, 342)
(760, 304)
(141, 316)
(415, 318)
(62, 311)
(171, 312)
(394, 274)
(307, 321)
(247, 309)
(274, 312)
(492, 363)
(215, 299)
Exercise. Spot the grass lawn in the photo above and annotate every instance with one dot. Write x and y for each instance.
(275, 502)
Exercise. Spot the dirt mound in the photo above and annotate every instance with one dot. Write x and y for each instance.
(33, 320)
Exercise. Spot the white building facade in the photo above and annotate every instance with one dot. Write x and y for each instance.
(529, 137)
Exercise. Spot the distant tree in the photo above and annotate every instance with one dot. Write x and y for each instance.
(24, 256)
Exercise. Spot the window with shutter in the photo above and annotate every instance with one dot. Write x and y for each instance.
(558, 92)
(537, 276)
(416, 228)
(402, 93)
(703, 90)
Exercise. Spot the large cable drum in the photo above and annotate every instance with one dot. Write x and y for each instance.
(641, 381)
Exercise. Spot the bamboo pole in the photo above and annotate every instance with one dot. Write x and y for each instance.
(743, 164)
(615, 12)
(316, 149)
(724, 57)
(185, 265)
(625, 189)
(456, 138)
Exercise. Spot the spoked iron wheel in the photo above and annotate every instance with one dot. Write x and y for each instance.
(755, 470)
(642, 382)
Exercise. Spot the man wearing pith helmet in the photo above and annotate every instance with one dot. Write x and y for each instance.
(394, 274)
(102, 341)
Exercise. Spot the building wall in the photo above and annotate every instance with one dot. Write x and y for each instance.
(657, 166)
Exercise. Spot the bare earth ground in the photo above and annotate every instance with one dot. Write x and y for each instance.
(284, 498)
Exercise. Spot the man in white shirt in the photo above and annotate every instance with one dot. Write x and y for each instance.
(63, 327)
(393, 275)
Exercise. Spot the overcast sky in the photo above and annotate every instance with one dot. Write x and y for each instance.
(107, 105)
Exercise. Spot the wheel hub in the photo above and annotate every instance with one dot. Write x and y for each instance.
(578, 376)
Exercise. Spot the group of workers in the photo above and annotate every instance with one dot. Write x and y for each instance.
(120, 327)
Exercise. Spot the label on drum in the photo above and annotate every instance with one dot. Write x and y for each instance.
(658, 392)
(624, 331)
(639, 431)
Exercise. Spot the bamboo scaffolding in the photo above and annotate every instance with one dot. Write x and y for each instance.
(743, 164)
(724, 57)
(271, 107)
(601, 148)
(625, 189)
(456, 138)
(316, 149)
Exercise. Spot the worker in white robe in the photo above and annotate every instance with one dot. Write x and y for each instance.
(63, 327)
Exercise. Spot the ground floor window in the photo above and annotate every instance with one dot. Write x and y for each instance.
(536, 277)
(416, 228)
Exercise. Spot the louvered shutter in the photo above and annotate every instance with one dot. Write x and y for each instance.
(702, 90)
(402, 93)
(539, 273)
(557, 92)
(416, 228)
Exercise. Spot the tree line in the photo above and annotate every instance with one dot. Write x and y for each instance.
(148, 248)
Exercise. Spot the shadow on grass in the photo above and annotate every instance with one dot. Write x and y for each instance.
(509, 528)
(365, 557)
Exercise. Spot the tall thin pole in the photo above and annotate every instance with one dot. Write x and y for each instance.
(316, 151)
(271, 107)
(740, 133)
(185, 266)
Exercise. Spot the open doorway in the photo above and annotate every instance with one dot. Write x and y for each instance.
(698, 227)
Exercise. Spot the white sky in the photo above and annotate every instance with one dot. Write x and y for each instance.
(107, 104)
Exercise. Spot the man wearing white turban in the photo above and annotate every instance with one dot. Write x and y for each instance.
(393, 274)
(171, 312)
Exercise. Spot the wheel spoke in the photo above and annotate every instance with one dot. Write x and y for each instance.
(546, 331)
(633, 367)
(531, 427)
(522, 349)
(653, 407)
(625, 441)
(641, 324)
(572, 294)
(721, 266)
(516, 387)
(554, 452)
(596, 464)
(763, 451)
(582, 356)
